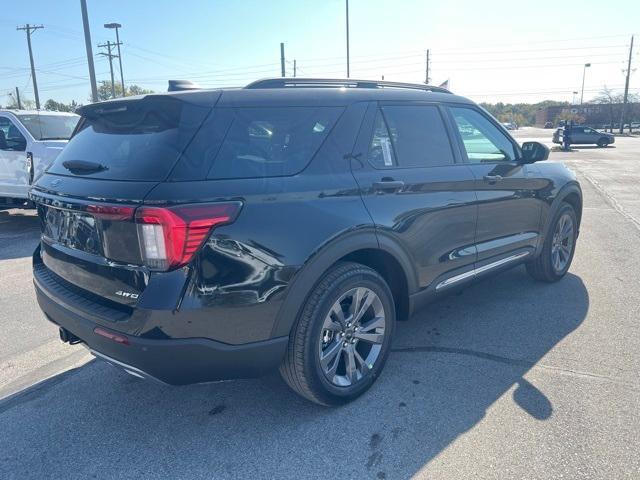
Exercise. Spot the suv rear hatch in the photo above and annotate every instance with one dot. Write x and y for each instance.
(96, 236)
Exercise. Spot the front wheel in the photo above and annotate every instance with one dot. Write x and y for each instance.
(603, 142)
(559, 246)
(342, 338)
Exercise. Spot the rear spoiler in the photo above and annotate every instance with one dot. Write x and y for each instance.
(180, 85)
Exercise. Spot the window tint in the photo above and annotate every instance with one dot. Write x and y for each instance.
(49, 126)
(268, 142)
(418, 135)
(483, 141)
(381, 151)
(136, 140)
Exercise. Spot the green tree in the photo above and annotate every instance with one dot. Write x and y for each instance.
(104, 90)
(54, 106)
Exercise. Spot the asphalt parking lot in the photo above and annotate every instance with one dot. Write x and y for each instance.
(508, 379)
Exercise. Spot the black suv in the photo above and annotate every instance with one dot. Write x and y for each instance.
(199, 235)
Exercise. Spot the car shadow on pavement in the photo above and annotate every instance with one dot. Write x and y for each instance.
(451, 363)
(19, 233)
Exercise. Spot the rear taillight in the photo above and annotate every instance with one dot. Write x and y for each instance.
(170, 236)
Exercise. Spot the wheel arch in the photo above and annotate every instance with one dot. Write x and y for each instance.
(570, 193)
(379, 252)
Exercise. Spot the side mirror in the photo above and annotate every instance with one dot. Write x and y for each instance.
(534, 152)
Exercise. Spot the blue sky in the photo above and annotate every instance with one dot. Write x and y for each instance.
(490, 50)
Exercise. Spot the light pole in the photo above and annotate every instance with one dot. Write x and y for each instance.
(584, 72)
(347, 38)
(116, 26)
(573, 102)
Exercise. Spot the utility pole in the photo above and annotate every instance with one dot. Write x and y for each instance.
(294, 67)
(87, 44)
(427, 79)
(584, 72)
(30, 29)
(626, 89)
(347, 38)
(110, 56)
(117, 26)
(282, 71)
(18, 99)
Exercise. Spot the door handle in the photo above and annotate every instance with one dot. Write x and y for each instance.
(387, 184)
(492, 178)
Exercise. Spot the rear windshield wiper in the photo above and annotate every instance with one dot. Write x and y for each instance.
(82, 166)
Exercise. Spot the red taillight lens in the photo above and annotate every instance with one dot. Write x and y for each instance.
(170, 236)
(111, 212)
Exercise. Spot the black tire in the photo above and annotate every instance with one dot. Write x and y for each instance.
(301, 368)
(603, 142)
(542, 268)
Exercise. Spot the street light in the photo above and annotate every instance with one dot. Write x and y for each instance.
(347, 18)
(117, 26)
(573, 102)
(584, 71)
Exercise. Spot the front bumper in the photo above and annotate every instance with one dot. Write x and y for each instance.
(172, 361)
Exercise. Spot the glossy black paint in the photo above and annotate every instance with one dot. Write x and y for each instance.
(250, 279)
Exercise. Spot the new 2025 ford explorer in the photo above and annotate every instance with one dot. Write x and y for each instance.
(200, 235)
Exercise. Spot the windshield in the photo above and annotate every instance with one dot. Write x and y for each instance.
(49, 127)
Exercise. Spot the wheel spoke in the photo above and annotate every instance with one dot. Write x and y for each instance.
(330, 353)
(356, 298)
(556, 259)
(368, 300)
(375, 322)
(333, 326)
(350, 365)
(336, 310)
(567, 228)
(369, 337)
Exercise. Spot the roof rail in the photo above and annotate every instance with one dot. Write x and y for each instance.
(297, 82)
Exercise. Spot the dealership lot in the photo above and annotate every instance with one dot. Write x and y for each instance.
(509, 379)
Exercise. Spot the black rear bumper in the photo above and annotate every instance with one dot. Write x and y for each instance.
(172, 361)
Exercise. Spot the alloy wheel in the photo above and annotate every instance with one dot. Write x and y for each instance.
(352, 336)
(562, 246)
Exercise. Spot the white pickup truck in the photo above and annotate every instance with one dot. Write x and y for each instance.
(29, 141)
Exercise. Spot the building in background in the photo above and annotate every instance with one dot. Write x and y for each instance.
(597, 115)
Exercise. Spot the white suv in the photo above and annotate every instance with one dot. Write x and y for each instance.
(29, 141)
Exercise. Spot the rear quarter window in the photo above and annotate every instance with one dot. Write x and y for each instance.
(270, 141)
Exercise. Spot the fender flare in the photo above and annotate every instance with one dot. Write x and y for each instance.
(310, 273)
(566, 190)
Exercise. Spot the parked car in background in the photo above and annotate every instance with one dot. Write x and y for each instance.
(29, 141)
(201, 235)
(548, 125)
(584, 136)
(510, 125)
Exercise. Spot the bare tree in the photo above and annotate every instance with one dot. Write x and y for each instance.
(613, 102)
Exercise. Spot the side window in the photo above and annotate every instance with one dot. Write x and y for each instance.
(10, 136)
(381, 151)
(273, 141)
(418, 135)
(483, 141)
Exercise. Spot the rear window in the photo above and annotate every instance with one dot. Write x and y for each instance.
(139, 140)
(49, 126)
(270, 141)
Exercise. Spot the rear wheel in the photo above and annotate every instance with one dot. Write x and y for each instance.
(559, 245)
(341, 340)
